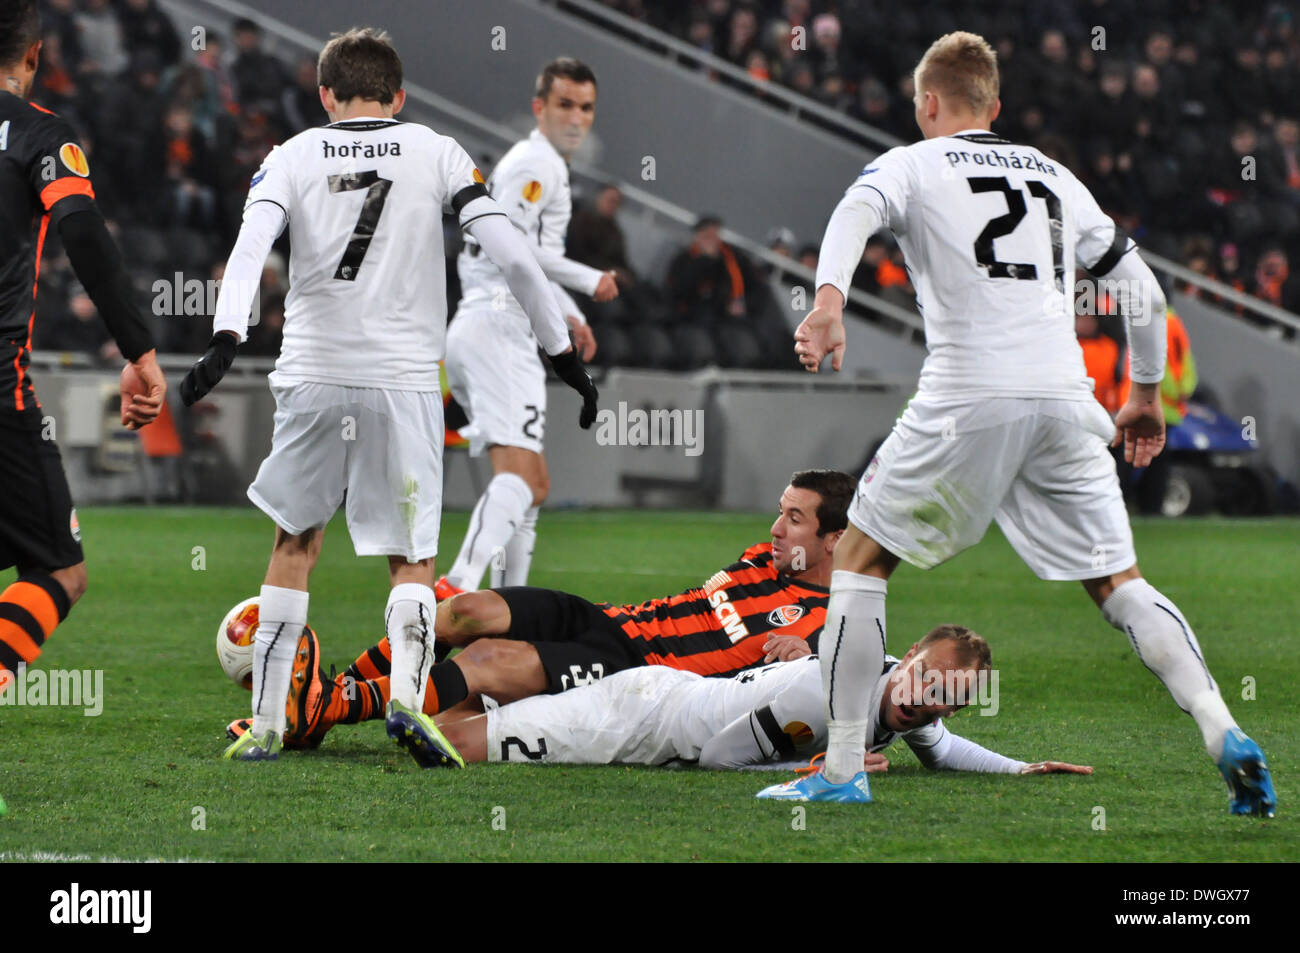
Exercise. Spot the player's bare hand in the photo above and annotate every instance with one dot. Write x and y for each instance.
(143, 389)
(875, 763)
(1140, 424)
(785, 648)
(1056, 767)
(584, 341)
(820, 334)
(607, 289)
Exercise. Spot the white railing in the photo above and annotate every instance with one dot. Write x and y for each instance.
(1271, 312)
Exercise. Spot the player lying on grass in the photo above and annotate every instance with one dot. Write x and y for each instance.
(770, 715)
(526, 641)
(658, 715)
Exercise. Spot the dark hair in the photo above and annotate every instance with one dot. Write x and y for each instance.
(836, 490)
(973, 650)
(360, 63)
(245, 25)
(20, 27)
(708, 220)
(565, 67)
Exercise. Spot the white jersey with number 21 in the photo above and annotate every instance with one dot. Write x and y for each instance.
(991, 233)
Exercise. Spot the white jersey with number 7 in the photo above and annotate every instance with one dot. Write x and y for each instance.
(364, 198)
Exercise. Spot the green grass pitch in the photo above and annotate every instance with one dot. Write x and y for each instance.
(143, 779)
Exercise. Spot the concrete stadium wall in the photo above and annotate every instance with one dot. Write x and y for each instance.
(1253, 373)
(721, 439)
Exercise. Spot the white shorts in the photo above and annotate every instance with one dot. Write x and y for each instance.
(617, 719)
(496, 375)
(380, 448)
(1039, 466)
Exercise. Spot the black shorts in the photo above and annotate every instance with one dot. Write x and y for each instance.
(38, 526)
(575, 640)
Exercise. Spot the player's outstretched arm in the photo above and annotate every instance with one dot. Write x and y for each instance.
(1140, 423)
(263, 222)
(1056, 767)
(953, 753)
(98, 265)
(508, 250)
(859, 214)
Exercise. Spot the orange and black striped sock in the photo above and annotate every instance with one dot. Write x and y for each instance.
(30, 609)
(369, 698)
(370, 692)
(373, 663)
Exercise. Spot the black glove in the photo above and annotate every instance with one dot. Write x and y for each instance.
(209, 369)
(569, 367)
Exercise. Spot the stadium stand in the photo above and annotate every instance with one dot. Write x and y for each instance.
(1157, 103)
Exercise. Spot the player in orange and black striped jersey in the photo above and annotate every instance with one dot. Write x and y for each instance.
(768, 605)
(45, 183)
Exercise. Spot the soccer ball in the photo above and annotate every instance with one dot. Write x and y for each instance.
(235, 642)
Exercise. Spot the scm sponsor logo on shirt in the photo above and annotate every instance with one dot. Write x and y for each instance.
(728, 616)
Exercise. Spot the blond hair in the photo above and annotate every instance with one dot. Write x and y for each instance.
(960, 66)
(969, 645)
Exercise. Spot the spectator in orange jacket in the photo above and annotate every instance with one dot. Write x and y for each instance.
(1101, 361)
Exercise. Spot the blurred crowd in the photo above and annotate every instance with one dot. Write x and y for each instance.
(1157, 120)
(191, 115)
(1180, 115)
(174, 124)
(713, 306)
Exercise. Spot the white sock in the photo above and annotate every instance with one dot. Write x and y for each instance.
(518, 555)
(496, 517)
(1164, 642)
(281, 614)
(852, 652)
(409, 623)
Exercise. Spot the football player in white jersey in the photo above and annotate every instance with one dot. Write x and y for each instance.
(358, 408)
(1004, 425)
(660, 715)
(492, 363)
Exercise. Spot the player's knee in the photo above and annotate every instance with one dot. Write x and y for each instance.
(468, 736)
(463, 617)
(540, 484)
(1100, 589)
(504, 669)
